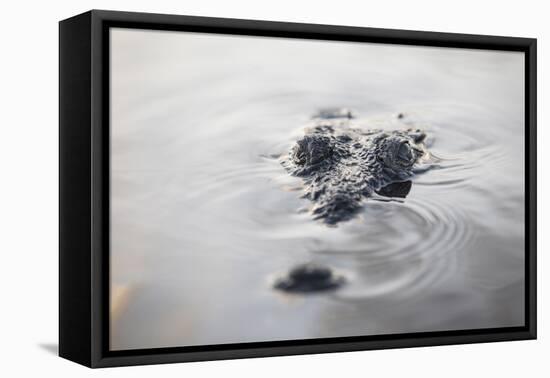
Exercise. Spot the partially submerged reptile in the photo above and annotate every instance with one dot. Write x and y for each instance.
(342, 165)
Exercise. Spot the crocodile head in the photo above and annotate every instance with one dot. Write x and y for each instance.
(341, 166)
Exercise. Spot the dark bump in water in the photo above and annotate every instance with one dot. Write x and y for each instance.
(396, 189)
(341, 166)
(334, 113)
(309, 278)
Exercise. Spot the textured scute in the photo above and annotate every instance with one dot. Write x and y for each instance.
(342, 165)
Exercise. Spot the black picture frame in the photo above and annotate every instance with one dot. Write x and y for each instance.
(84, 187)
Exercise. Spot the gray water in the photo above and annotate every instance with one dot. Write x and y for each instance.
(204, 218)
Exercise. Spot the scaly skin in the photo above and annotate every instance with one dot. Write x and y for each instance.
(341, 166)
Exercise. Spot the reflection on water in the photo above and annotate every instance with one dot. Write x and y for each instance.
(204, 218)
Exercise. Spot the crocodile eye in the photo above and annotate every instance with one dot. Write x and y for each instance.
(311, 150)
(417, 136)
(405, 154)
(299, 153)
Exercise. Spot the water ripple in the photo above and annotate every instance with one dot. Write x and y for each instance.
(421, 241)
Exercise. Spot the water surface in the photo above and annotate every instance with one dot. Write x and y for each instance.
(204, 217)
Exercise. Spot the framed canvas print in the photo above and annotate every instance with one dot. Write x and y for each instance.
(234, 188)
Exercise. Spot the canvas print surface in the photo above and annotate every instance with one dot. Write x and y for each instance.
(268, 189)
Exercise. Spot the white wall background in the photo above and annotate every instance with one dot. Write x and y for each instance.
(29, 187)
